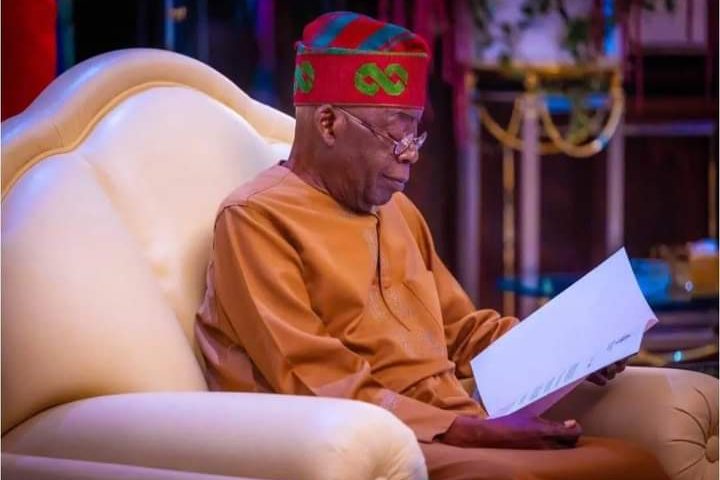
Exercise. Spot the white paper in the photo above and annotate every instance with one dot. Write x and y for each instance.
(598, 320)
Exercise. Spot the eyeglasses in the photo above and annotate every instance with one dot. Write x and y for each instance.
(399, 146)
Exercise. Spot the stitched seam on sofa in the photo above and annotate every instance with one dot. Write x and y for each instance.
(684, 440)
(689, 466)
(711, 424)
(101, 113)
(697, 422)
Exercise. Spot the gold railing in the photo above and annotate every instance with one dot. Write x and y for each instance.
(558, 143)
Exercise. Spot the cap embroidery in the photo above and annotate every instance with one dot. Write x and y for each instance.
(370, 78)
(304, 77)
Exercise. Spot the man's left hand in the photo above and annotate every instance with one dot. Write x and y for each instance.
(604, 375)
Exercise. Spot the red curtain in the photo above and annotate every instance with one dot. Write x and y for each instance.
(29, 51)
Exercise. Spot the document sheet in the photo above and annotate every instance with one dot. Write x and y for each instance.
(597, 321)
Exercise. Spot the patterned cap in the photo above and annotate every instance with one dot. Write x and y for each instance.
(345, 58)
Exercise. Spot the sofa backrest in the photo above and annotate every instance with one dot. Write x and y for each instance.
(111, 180)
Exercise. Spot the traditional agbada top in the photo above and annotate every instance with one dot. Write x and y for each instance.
(306, 297)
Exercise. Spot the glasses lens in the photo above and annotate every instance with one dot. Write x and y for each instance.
(419, 141)
(403, 144)
(408, 141)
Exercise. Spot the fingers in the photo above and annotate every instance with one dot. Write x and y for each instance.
(620, 366)
(565, 434)
(571, 437)
(566, 442)
(561, 435)
(597, 378)
(604, 375)
(571, 428)
(516, 431)
(570, 423)
(610, 371)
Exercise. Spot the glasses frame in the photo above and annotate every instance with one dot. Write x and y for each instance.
(399, 146)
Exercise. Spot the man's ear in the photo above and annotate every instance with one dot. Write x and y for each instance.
(326, 122)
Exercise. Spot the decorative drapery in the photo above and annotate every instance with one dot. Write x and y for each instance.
(29, 51)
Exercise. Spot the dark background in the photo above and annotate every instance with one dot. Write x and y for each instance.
(666, 178)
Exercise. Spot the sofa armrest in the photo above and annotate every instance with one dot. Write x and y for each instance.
(673, 413)
(222, 433)
(23, 467)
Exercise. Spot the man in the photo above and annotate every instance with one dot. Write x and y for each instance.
(324, 280)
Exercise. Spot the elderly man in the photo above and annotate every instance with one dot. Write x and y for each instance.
(324, 280)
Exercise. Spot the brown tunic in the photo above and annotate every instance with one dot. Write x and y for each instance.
(333, 303)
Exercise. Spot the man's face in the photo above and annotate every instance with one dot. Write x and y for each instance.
(368, 171)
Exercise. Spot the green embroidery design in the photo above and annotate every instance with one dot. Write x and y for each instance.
(370, 78)
(304, 77)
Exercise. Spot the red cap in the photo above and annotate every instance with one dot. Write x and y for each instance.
(346, 58)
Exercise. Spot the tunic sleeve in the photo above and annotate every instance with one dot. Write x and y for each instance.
(468, 331)
(261, 291)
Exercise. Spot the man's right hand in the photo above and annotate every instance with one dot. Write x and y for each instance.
(512, 431)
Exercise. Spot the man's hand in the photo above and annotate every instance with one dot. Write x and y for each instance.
(604, 375)
(512, 431)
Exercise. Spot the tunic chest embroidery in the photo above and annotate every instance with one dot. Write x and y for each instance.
(376, 309)
(370, 237)
(397, 305)
(423, 344)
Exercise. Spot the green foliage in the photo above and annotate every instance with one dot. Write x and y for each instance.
(577, 39)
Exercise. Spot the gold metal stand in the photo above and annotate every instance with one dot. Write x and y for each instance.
(576, 146)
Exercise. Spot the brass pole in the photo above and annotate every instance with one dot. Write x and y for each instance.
(508, 176)
(712, 190)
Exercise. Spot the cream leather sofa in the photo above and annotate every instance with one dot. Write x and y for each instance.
(110, 182)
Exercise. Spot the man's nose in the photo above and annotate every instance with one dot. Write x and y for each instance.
(410, 155)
